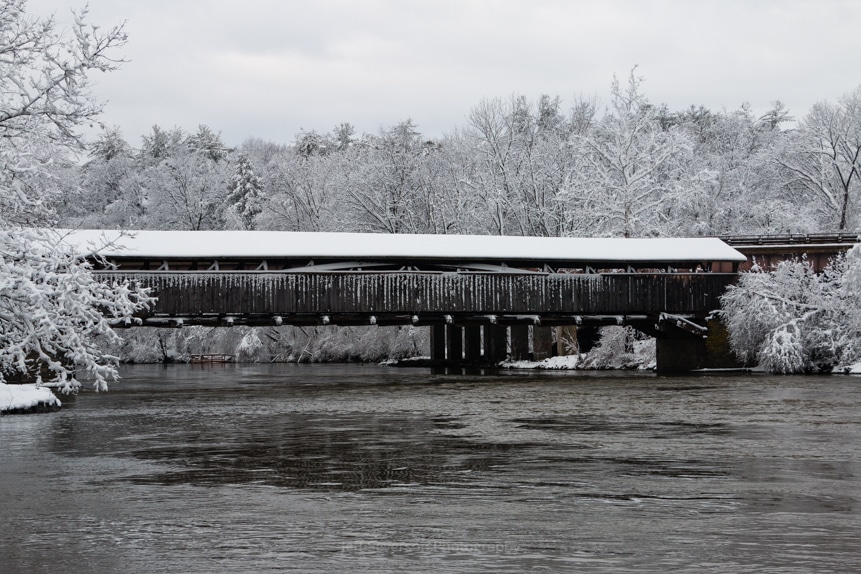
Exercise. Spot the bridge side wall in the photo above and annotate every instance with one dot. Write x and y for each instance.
(249, 293)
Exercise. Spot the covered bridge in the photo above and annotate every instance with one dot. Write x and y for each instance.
(482, 294)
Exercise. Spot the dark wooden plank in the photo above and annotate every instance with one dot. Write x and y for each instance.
(435, 293)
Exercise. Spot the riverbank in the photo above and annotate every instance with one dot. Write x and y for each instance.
(573, 362)
(26, 399)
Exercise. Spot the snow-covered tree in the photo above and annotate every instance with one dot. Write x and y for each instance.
(388, 179)
(302, 192)
(245, 198)
(733, 185)
(55, 318)
(52, 312)
(186, 190)
(524, 159)
(208, 143)
(634, 171)
(109, 195)
(44, 98)
(790, 319)
(160, 144)
(454, 204)
(822, 160)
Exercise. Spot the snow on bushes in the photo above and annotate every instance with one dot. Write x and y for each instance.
(792, 320)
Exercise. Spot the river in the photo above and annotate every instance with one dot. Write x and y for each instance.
(356, 468)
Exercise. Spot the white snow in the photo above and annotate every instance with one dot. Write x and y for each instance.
(302, 245)
(14, 397)
(849, 369)
(560, 362)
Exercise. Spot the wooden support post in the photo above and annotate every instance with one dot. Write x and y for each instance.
(542, 342)
(454, 343)
(519, 342)
(495, 343)
(472, 335)
(437, 342)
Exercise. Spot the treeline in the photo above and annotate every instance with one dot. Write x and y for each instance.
(627, 168)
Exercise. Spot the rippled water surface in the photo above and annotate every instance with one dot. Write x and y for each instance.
(322, 468)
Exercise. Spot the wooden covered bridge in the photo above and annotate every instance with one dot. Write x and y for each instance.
(485, 297)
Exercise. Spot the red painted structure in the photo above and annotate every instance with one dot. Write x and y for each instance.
(769, 250)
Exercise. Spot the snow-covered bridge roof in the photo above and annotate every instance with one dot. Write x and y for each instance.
(387, 247)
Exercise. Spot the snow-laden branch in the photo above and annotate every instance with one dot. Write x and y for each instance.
(54, 316)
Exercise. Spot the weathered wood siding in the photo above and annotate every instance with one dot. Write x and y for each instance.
(260, 293)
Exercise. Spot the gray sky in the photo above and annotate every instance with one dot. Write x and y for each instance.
(268, 69)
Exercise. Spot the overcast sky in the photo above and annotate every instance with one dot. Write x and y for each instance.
(268, 69)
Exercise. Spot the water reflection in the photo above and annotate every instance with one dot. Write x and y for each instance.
(345, 452)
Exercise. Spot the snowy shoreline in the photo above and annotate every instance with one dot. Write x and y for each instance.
(573, 362)
(25, 399)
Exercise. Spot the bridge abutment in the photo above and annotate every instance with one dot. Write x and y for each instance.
(679, 354)
(682, 353)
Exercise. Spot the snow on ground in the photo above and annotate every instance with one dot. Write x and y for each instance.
(562, 362)
(849, 369)
(26, 397)
(642, 358)
(569, 362)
